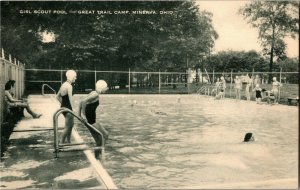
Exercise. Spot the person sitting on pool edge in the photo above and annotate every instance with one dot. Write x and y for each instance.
(64, 96)
(269, 96)
(87, 111)
(12, 102)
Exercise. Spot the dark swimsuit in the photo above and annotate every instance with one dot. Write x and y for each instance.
(90, 112)
(258, 94)
(65, 103)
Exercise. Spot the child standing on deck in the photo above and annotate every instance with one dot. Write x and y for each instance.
(258, 94)
(64, 96)
(237, 87)
(276, 89)
(247, 90)
(87, 110)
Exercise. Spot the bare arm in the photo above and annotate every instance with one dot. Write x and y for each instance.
(58, 96)
(70, 95)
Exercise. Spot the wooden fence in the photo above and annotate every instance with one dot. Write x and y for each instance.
(10, 69)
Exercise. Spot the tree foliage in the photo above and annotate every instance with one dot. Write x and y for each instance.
(237, 61)
(108, 42)
(275, 20)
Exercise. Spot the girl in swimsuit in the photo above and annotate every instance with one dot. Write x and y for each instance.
(275, 89)
(87, 110)
(64, 96)
(258, 92)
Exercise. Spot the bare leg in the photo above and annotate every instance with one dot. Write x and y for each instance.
(69, 122)
(28, 109)
(98, 138)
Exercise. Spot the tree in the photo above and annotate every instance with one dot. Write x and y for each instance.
(275, 20)
(237, 61)
(289, 65)
(108, 41)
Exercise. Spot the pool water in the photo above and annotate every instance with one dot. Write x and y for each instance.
(189, 141)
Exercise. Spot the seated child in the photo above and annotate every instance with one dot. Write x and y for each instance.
(269, 96)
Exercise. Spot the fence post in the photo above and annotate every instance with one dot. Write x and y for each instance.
(95, 76)
(252, 81)
(9, 57)
(61, 77)
(17, 80)
(2, 53)
(213, 76)
(279, 85)
(159, 81)
(230, 83)
(5, 72)
(129, 81)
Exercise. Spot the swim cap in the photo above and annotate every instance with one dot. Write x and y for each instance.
(100, 85)
(248, 137)
(257, 85)
(70, 74)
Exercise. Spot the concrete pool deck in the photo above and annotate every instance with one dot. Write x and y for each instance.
(29, 160)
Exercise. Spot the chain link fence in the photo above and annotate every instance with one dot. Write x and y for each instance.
(189, 82)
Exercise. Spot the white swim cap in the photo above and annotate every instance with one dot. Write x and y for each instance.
(70, 74)
(100, 85)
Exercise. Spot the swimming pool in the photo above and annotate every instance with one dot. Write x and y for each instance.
(189, 141)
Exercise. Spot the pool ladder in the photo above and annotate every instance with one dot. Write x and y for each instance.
(43, 89)
(205, 89)
(64, 147)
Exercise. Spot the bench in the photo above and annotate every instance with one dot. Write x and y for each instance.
(291, 99)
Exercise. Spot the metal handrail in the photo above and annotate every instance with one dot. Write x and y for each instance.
(55, 128)
(43, 89)
(201, 89)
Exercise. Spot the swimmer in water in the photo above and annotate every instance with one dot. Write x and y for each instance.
(87, 111)
(64, 96)
(249, 137)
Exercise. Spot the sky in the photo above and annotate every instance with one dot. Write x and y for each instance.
(234, 32)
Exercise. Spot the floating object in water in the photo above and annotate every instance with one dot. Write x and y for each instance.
(248, 137)
(160, 113)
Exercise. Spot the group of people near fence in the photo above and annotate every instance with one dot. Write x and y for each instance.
(87, 107)
(270, 96)
(220, 88)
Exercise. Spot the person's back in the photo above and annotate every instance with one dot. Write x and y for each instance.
(87, 111)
